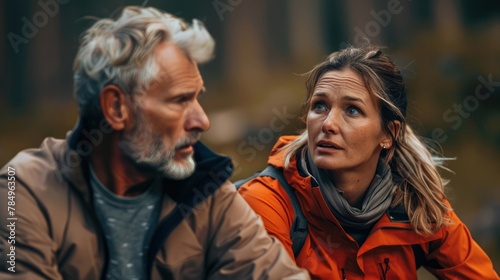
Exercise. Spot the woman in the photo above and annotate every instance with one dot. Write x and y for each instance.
(369, 188)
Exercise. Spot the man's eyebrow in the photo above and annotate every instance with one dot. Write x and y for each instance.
(193, 93)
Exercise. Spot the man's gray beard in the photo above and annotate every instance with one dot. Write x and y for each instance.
(149, 151)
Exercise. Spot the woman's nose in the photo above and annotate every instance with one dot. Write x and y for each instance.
(331, 122)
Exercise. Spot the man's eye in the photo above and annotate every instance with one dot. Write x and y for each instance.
(183, 99)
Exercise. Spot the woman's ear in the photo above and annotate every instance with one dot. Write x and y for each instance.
(395, 128)
(114, 106)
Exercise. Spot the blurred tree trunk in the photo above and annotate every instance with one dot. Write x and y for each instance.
(448, 21)
(334, 21)
(358, 21)
(15, 63)
(45, 56)
(245, 46)
(306, 31)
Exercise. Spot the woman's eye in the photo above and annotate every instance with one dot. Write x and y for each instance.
(353, 111)
(319, 106)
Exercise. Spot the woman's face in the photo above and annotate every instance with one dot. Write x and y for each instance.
(343, 124)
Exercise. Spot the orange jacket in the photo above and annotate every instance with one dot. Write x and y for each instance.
(330, 253)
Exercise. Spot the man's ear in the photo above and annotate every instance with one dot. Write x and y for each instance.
(114, 106)
(395, 127)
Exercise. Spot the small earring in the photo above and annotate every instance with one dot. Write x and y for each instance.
(383, 147)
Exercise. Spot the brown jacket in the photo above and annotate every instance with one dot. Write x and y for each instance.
(57, 236)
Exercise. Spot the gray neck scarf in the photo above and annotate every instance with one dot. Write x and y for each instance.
(376, 201)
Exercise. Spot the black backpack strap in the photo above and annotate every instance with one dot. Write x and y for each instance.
(398, 214)
(241, 182)
(419, 255)
(298, 232)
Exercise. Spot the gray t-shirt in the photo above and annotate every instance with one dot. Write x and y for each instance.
(128, 224)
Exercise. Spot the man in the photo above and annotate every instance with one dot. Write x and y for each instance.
(131, 193)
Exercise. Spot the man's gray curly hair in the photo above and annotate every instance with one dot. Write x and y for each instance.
(121, 51)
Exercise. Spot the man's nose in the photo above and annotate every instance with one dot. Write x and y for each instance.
(197, 119)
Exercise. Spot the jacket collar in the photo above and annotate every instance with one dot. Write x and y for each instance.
(211, 170)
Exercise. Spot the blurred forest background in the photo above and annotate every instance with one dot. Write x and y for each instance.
(449, 52)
